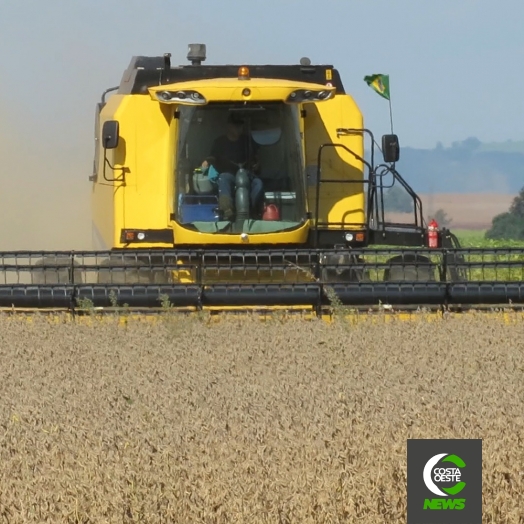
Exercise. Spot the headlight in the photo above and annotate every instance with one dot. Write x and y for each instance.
(191, 97)
(307, 95)
(164, 95)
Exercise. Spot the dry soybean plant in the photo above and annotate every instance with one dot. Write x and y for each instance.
(243, 420)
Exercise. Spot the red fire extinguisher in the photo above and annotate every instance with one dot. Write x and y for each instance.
(433, 233)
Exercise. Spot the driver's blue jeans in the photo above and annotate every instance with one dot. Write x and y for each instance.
(226, 186)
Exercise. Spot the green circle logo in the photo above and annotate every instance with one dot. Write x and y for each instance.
(433, 476)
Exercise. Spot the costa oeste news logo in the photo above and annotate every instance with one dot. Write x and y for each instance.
(433, 475)
(444, 481)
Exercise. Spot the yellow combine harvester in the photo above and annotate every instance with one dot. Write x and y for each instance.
(154, 134)
(246, 186)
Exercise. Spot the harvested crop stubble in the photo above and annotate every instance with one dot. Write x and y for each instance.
(246, 421)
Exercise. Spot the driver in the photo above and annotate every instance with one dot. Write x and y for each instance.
(231, 151)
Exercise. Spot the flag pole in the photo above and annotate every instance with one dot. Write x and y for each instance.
(391, 116)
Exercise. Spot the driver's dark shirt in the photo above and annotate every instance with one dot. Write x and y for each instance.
(226, 151)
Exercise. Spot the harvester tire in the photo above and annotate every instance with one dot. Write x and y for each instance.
(55, 275)
(135, 272)
(410, 267)
(346, 273)
(456, 268)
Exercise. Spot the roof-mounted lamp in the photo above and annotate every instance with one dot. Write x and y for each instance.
(243, 73)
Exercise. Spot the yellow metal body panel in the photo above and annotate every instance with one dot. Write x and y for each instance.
(149, 193)
(342, 202)
(143, 198)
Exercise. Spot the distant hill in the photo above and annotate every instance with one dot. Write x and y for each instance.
(469, 166)
(510, 146)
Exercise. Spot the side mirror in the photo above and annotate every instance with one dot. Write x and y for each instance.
(110, 134)
(390, 148)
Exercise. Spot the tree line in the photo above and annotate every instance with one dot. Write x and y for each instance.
(509, 225)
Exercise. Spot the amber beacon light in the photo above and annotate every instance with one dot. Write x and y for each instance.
(243, 73)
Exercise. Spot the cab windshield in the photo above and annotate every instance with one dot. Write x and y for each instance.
(239, 168)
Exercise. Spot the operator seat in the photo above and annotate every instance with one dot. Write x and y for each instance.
(273, 166)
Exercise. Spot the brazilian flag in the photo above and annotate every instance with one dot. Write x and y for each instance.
(380, 83)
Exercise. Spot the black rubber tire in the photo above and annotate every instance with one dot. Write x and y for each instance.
(346, 275)
(410, 267)
(55, 276)
(456, 271)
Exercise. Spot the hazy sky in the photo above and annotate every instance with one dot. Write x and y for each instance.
(454, 66)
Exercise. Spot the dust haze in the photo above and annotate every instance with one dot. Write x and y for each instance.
(44, 202)
(47, 122)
